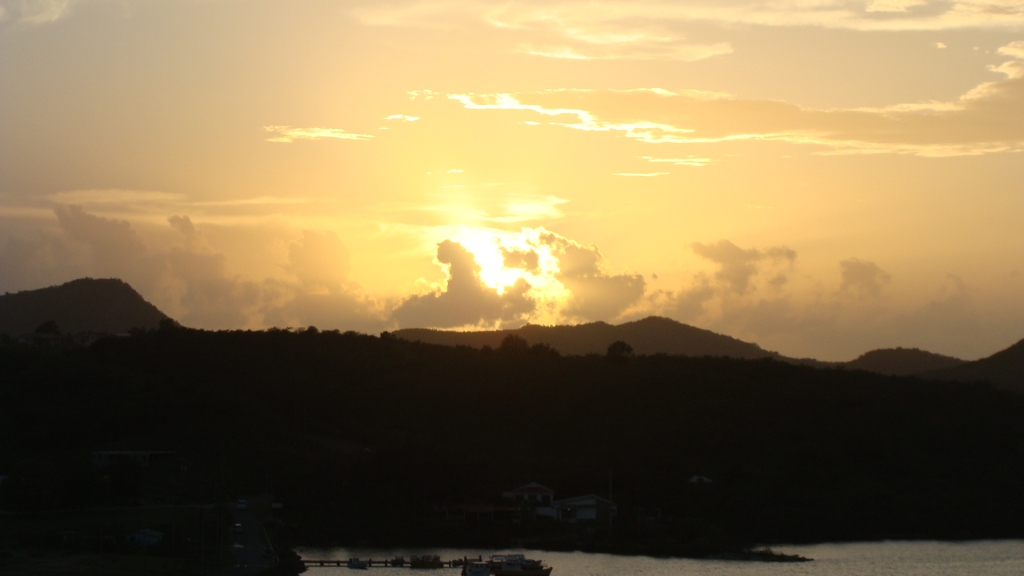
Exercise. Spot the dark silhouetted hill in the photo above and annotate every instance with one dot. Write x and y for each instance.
(87, 304)
(1004, 369)
(902, 361)
(371, 439)
(651, 335)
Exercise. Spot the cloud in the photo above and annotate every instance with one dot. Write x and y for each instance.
(496, 208)
(893, 5)
(323, 296)
(595, 295)
(466, 300)
(688, 161)
(987, 119)
(1013, 49)
(862, 278)
(737, 266)
(36, 259)
(116, 249)
(524, 259)
(36, 11)
(319, 260)
(652, 28)
(210, 296)
(288, 134)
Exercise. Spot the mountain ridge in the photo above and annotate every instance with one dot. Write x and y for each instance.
(651, 335)
(106, 305)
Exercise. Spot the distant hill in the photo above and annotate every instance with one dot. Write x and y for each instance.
(902, 361)
(1004, 369)
(86, 304)
(648, 336)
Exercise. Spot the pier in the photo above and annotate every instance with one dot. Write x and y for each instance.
(386, 563)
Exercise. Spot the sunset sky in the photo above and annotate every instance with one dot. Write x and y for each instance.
(821, 177)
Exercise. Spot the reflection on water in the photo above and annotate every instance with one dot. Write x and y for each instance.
(988, 558)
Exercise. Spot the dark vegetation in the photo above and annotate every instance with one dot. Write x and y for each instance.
(368, 439)
(1004, 368)
(902, 361)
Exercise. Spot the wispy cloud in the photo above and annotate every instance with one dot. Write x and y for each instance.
(646, 26)
(403, 118)
(289, 134)
(641, 174)
(688, 161)
(987, 119)
(35, 11)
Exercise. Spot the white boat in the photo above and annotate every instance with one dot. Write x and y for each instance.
(476, 568)
(517, 565)
(356, 564)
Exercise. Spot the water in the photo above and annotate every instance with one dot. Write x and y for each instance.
(981, 558)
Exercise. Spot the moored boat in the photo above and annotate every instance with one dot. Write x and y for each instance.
(356, 564)
(398, 561)
(476, 568)
(517, 565)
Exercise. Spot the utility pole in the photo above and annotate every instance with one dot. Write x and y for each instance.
(611, 502)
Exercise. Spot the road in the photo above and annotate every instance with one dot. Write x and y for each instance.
(248, 539)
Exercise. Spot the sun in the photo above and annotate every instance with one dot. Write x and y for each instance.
(539, 266)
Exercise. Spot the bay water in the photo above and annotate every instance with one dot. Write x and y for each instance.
(903, 558)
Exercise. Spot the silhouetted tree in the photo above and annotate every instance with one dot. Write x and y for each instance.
(513, 343)
(619, 351)
(48, 327)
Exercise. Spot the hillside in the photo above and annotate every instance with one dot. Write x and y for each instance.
(651, 335)
(373, 439)
(86, 304)
(1004, 369)
(902, 361)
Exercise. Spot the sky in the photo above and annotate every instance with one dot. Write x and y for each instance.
(821, 177)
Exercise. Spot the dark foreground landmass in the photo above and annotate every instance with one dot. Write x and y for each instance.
(384, 442)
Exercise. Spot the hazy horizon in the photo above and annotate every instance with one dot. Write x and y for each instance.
(821, 179)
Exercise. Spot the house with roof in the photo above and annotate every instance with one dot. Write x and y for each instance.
(535, 497)
(586, 507)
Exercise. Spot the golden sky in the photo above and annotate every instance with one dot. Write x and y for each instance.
(822, 177)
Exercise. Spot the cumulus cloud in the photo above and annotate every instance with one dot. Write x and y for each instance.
(736, 266)
(198, 286)
(323, 296)
(211, 297)
(525, 259)
(35, 259)
(466, 300)
(862, 278)
(319, 260)
(116, 249)
(596, 295)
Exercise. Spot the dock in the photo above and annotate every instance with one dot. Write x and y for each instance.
(386, 563)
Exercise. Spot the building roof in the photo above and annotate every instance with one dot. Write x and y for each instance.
(532, 488)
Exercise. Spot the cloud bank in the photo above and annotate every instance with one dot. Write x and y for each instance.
(987, 119)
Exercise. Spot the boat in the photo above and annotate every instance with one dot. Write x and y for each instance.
(425, 562)
(398, 561)
(476, 568)
(356, 564)
(517, 565)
